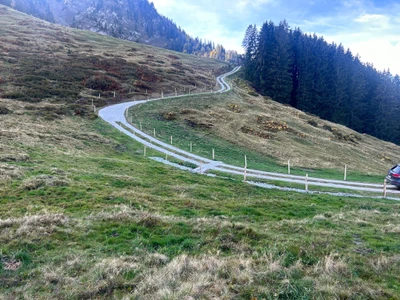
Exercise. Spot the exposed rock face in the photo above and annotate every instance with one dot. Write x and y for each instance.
(135, 20)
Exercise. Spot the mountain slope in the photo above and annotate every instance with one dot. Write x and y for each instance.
(84, 215)
(133, 20)
(42, 61)
(270, 134)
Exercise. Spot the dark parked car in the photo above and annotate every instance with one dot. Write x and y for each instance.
(393, 176)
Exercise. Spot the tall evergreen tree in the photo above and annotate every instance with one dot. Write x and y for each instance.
(250, 46)
(323, 79)
(281, 66)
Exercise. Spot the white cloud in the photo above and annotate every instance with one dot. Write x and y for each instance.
(246, 4)
(202, 19)
(367, 18)
(358, 24)
(374, 21)
(377, 50)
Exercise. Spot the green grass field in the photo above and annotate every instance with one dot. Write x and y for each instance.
(99, 220)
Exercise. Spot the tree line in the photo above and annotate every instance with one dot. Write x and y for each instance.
(177, 39)
(308, 73)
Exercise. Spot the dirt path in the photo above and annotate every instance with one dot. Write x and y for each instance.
(115, 115)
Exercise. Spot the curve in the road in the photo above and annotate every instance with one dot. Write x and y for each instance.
(115, 115)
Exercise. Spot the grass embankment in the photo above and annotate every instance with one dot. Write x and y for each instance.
(269, 133)
(85, 215)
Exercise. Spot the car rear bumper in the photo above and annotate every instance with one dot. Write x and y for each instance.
(393, 181)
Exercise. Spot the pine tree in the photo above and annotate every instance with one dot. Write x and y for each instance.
(250, 45)
(280, 67)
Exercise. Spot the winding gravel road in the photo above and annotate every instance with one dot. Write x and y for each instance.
(115, 115)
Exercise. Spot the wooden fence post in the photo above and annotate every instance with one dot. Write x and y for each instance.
(191, 146)
(213, 154)
(288, 167)
(345, 172)
(154, 132)
(384, 188)
(140, 125)
(306, 182)
(245, 168)
(171, 139)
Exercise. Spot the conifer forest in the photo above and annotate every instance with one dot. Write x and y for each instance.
(322, 78)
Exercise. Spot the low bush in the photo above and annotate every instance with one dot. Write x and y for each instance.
(20, 96)
(312, 123)
(4, 110)
(103, 83)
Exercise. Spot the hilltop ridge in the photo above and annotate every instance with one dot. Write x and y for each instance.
(43, 61)
(133, 20)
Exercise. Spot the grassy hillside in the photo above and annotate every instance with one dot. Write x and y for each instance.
(42, 61)
(269, 133)
(84, 215)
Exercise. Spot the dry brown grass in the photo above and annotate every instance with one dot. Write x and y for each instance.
(21, 130)
(31, 226)
(148, 219)
(194, 278)
(285, 133)
(149, 68)
(8, 172)
(387, 223)
(332, 265)
(37, 182)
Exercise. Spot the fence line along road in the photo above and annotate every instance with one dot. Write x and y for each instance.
(116, 116)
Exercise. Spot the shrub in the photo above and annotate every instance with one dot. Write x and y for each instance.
(14, 95)
(4, 110)
(103, 83)
(312, 123)
(20, 96)
(169, 116)
(173, 56)
(327, 127)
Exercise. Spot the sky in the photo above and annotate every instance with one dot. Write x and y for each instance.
(369, 28)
